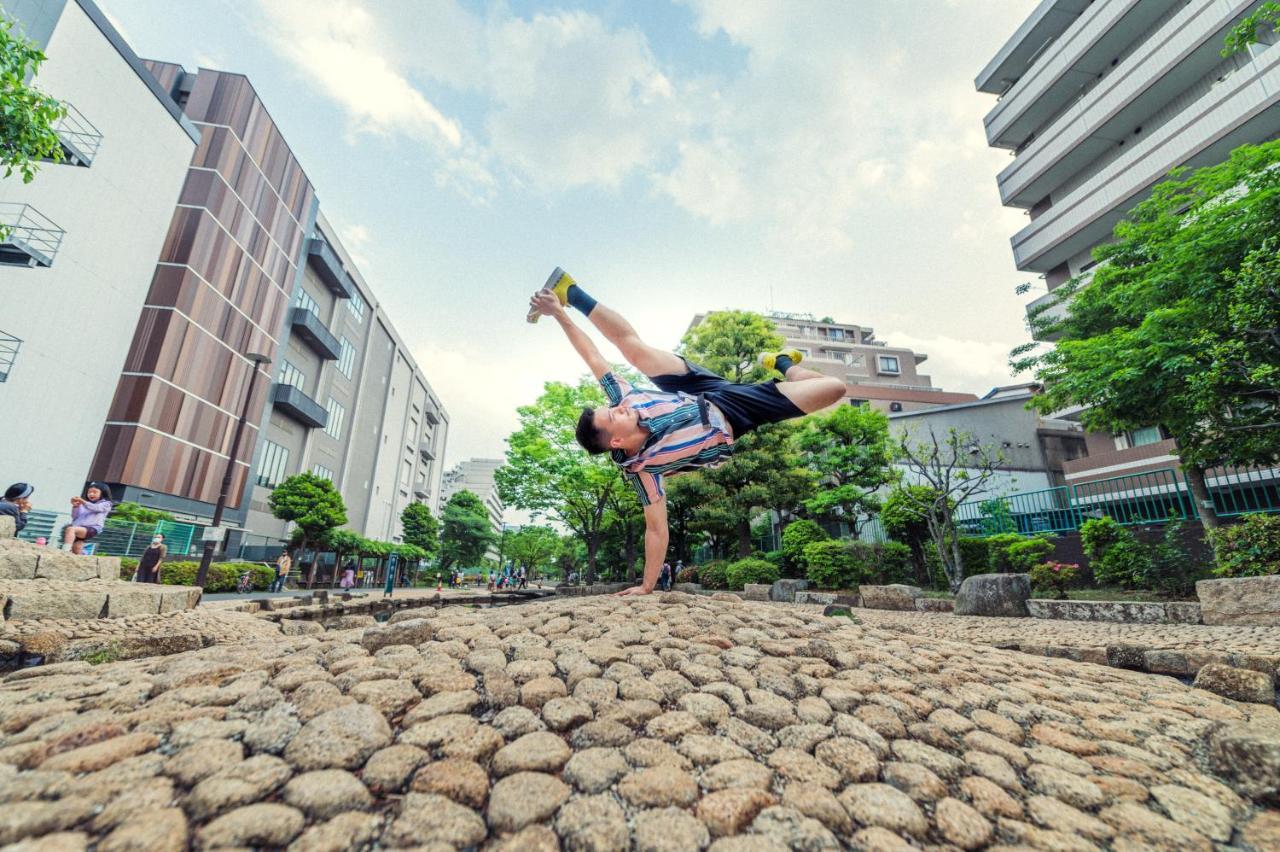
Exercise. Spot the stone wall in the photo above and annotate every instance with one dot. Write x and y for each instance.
(1123, 612)
(22, 600)
(22, 560)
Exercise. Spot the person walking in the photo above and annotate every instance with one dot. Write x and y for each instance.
(664, 578)
(17, 504)
(348, 575)
(283, 563)
(150, 560)
(88, 514)
(689, 422)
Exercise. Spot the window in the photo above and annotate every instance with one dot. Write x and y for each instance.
(1140, 437)
(291, 375)
(356, 305)
(834, 355)
(271, 467)
(804, 352)
(835, 333)
(857, 402)
(346, 357)
(889, 364)
(336, 412)
(406, 474)
(322, 471)
(304, 300)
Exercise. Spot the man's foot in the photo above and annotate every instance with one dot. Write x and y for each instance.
(559, 283)
(769, 360)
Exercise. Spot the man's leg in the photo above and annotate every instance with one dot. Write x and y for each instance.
(647, 359)
(810, 390)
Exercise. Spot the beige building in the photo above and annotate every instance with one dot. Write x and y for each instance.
(877, 374)
(476, 476)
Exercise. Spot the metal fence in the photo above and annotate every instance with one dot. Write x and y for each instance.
(1150, 497)
(118, 538)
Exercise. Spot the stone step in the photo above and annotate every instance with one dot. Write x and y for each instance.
(22, 600)
(22, 560)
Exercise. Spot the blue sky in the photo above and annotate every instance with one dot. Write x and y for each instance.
(675, 157)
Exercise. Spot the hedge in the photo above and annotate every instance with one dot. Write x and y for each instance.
(1250, 548)
(687, 575)
(796, 536)
(998, 559)
(751, 570)
(714, 575)
(222, 576)
(1029, 553)
(976, 554)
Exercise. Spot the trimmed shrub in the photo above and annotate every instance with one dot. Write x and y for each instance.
(1126, 562)
(222, 576)
(795, 537)
(975, 553)
(714, 574)
(830, 565)
(751, 570)
(1054, 577)
(1028, 553)
(895, 563)
(774, 556)
(128, 565)
(687, 575)
(1250, 548)
(998, 561)
(1097, 534)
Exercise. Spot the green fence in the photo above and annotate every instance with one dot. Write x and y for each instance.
(1150, 497)
(118, 538)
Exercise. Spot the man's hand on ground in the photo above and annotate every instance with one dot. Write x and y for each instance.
(545, 303)
(634, 590)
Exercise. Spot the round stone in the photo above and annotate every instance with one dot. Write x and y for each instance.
(669, 830)
(427, 819)
(727, 812)
(657, 787)
(342, 738)
(851, 758)
(326, 793)
(884, 806)
(594, 770)
(593, 824)
(737, 773)
(263, 824)
(463, 781)
(524, 798)
(541, 751)
(962, 825)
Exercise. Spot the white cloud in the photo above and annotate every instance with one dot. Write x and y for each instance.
(956, 364)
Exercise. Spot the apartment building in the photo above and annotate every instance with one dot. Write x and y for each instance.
(877, 374)
(477, 476)
(1097, 101)
(380, 433)
(82, 240)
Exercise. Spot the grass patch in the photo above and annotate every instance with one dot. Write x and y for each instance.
(109, 654)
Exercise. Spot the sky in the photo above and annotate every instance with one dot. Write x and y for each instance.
(675, 156)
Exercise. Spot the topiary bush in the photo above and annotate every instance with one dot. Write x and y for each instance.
(687, 575)
(837, 564)
(714, 574)
(751, 570)
(774, 556)
(998, 561)
(1028, 553)
(1054, 577)
(222, 576)
(1250, 548)
(795, 537)
(975, 553)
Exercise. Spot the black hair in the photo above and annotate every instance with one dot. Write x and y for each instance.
(101, 486)
(592, 439)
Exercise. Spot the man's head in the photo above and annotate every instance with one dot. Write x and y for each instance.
(17, 491)
(608, 428)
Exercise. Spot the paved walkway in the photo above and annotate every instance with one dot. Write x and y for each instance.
(670, 722)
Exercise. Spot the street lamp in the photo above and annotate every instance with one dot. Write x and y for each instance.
(257, 360)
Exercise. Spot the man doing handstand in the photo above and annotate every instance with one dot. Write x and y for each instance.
(689, 422)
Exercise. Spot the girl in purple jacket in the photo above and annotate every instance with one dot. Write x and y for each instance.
(88, 513)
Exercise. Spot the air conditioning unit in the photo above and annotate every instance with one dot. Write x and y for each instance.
(895, 406)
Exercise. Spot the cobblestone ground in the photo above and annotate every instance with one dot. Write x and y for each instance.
(671, 723)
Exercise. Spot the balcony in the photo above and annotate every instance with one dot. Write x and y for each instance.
(77, 136)
(421, 491)
(1239, 110)
(27, 237)
(424, 450)
(322, 258)
(299, 406)
(1072, 63)
(1049, 20)
(1178, 55)
(308, 328)
(9, 346)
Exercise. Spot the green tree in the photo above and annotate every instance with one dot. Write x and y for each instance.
(465, 531)
(135, 514)
(956, 468)
(905, 515)
(1247, 31)
(27, 115)
(533, 547)
(313, 505)
(764, 472)
(849, 450)
(684, 495)
(728, 342)
(421, 529)
(1154, 337)
(549, 474)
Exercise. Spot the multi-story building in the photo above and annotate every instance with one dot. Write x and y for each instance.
(1098, 101)
(379, 435)
(876, 374)
(81, 243)
(476, 476)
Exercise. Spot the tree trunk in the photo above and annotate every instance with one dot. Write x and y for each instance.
(302, 551)
(744, 538)
(1200, 495)
(918, 560)
(593, 544)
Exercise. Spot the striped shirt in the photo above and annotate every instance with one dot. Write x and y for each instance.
(678, 440)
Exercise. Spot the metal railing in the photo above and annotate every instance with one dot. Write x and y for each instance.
(80, 139)
(9, 346)
(118, 537)
(27, 235)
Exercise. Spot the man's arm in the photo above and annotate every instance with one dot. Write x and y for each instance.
(656, 536)
(545, 303)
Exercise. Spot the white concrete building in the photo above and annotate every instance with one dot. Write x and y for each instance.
(476, 476)
(76, 265)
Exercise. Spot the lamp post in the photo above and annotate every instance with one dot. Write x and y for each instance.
(256, 360)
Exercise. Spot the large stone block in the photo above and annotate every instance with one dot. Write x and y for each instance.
(108, 567)
(935, 605)
(133, 599)
(1248, 756)
(819, 598)
(785, 590)
(40, 601)
(895, 596)
(691, 588)
(18, 559)
(756, 591)
(61, 565)
(1003, 595)
(1237, 684)
(1242, 600)
(8, 527)
(1182, 612)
